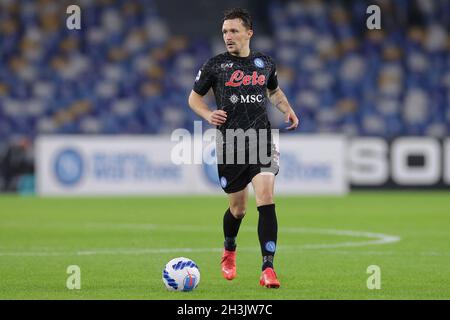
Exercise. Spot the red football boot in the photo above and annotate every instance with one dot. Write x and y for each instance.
(229, 264)
(269, 279)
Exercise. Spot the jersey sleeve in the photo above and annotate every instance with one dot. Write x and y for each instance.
(272, 82)
(204, 80)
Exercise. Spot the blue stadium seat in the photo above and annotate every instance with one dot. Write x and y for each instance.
(136, 76)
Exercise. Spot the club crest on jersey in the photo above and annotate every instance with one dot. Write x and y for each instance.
(259, 63)
(227, 65)
(238, 78)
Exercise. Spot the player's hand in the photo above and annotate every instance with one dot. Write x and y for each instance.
(217, 117)
(290, 116)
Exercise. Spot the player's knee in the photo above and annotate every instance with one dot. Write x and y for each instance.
(238, 211)
(264, 197)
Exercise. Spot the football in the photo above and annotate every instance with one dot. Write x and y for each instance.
(181, 274)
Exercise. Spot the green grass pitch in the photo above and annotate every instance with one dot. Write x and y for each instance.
(325, 245)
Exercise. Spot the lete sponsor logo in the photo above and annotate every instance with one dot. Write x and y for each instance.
(238, 78)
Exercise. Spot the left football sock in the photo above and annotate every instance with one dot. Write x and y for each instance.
(267, 233)
(230, 230)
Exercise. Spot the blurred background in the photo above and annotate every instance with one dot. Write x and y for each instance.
(131, 66)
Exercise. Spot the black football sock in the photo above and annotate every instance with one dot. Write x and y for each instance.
(267, 233)
(230, 230)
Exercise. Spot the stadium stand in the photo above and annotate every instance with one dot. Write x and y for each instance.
(124, 72)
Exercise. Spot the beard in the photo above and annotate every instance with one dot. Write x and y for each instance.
(234, 49)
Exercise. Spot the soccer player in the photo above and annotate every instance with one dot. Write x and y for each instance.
(242, 80)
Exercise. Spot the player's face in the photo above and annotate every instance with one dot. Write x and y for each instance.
(236, 36)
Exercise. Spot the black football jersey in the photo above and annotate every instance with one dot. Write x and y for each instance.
(239, 85)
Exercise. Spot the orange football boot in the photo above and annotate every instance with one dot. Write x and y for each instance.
(269, 279)
(229, 264)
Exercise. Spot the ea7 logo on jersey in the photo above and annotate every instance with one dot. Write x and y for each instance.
(227, 65)
(238, 78)
(250, 98)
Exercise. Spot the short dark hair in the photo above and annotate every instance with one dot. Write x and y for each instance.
(239, 13)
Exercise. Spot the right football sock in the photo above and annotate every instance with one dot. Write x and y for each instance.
(230, 230)
(267, 233)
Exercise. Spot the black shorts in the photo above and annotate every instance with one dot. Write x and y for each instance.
(236, 177)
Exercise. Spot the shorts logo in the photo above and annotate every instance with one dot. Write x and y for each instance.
(68, 167)
(270, 246)
(223, 182)
(259, 63)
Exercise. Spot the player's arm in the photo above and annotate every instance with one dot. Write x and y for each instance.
(203, 83)
(279, 100)
(198, 105)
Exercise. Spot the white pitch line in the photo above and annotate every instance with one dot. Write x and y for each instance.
(377, 239)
